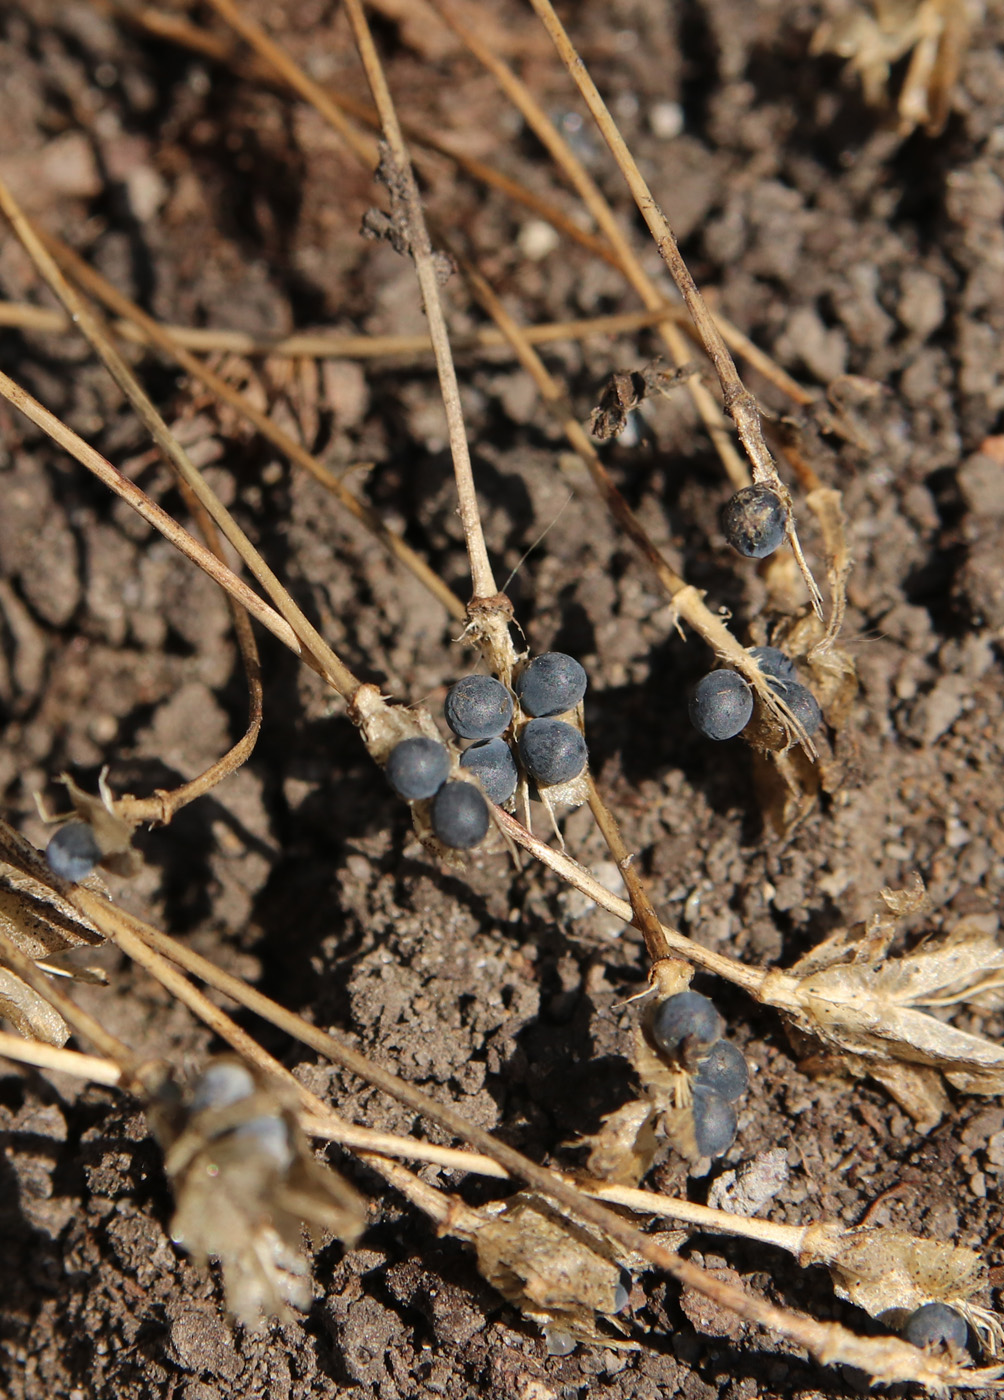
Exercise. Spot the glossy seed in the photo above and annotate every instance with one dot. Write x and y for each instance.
(936, 1327)
(494, 764)
(552, 751)
(686, 1025)
(754, 521)
(774, 662)
(221, 1085)
(800, 701)
(715, 1122)
(418, 768)
(73, 851)
(724, 1069)
(551, 684)
(478, 707)
(460, 816)
(721, 705)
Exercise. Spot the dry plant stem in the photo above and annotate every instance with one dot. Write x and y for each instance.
(688, 603)
(174, 533)
(331, 667)
(288, 446)
(110, 1047)
(420, 247)
(739, 402)
(32, 1052)
(624, 255)
(321, 345)
(644, 915)
(885, 1358)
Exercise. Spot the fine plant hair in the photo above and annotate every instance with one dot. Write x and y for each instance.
(595, 1224)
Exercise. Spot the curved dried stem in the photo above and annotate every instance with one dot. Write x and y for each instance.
(98, 286)
(624, 255)
(331, 667)
(740, 404)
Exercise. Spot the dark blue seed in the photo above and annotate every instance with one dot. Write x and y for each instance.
(724, 1069)
(800, 701)
(754, 520)
(687, 1023)
(221, 1085)
(494, 764)
(552, 751)
(551, 684)
(478, 707)
(73, 852)
(774, 662)
(721, 705)
(268, 1136)
(418, 768)
(715, 1122)
(460, 816)
(936, 1327)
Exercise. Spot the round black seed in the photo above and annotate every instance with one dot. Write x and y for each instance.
(715, 1122)
(753, 521)
(724, 1069)
(800, 701)
(460, 816)
(418, 768)
(721, 705)
(774, 662)
(478, 707)
(73, 852)
(552, 751)
(936, 1327)
(494, 764)
(551, 684)
(686, 1024)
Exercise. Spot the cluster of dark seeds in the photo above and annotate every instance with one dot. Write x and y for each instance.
(687, 1029)
(73, 852)
(721, 704)
(481, 709)
(754, 521)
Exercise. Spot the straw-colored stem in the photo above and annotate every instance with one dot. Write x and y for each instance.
(644, 915)
(98, 286)
(174, 533)
(32, 1052)
(322, 345)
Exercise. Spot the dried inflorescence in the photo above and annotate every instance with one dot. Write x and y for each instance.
(246, 1184)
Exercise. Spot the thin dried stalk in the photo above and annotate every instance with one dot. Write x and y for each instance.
(31, 1052)
(324, 345)
(563, 156)
(98, 286)
(174, 533)
(740, 404)
(420, 248)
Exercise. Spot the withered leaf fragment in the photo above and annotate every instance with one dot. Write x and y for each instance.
(245, 1184)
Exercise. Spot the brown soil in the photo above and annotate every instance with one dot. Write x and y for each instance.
(212, 199)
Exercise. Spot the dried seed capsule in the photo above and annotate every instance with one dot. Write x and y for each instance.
(460, 816)
(723, 1069)
(801, 701)
(552, 751)
(715, 1122)
(418, 768)
(73, 851)
(494, 764)
(936, 1327)
(721, 705)
(754, 520)
(478, 707)
(551, 684)
(686, 1025)
(774, 662)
